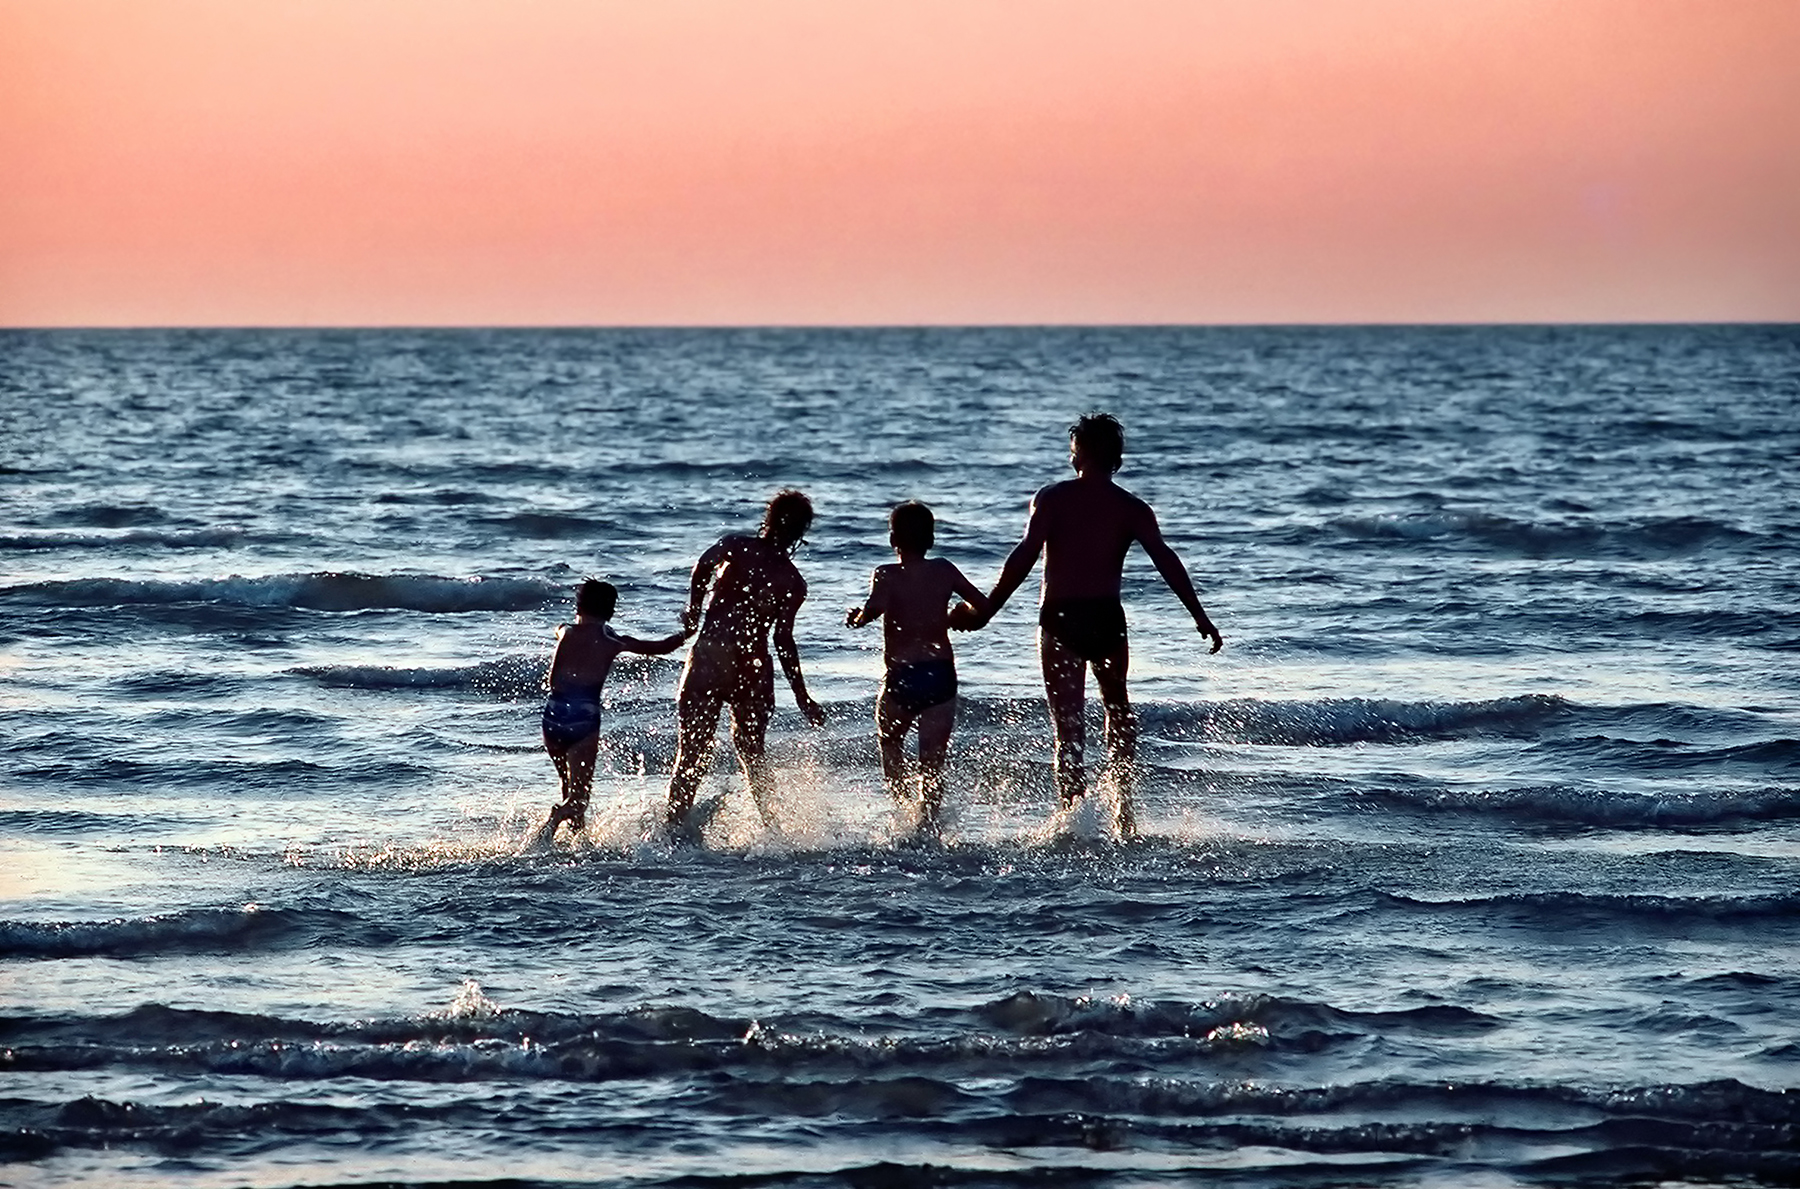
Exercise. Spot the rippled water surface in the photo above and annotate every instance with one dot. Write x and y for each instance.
(1473, 859)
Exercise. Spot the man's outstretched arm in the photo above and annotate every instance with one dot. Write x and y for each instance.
(1176, 575)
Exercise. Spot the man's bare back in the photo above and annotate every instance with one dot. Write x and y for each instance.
(1084, 527)
(1088, 525)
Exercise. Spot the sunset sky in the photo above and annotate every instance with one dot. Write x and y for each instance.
(710, 162)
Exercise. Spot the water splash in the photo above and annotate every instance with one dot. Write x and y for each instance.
(470, 1004)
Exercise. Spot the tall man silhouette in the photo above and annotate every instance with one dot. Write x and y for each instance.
(1084, 527)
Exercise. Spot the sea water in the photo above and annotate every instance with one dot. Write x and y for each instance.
(1474, 858)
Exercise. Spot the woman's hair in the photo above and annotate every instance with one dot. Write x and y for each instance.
(911, 526)
(1101, 438)
(787, 518)
(596, 598)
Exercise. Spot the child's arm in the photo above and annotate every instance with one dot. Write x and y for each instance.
(660, 647)
(872, 609)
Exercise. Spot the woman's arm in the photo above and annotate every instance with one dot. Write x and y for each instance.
(702, 578)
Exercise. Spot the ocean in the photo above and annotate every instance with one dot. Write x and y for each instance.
(1472, 859)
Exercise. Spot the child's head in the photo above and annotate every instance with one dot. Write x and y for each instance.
(1101, 439)
(596, 598)
(911, 527)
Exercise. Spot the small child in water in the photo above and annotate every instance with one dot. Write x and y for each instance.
(920, 684)
(584, 656)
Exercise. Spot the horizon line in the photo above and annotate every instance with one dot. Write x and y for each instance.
(892, 326)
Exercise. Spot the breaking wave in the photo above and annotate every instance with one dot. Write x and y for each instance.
(1563, 806)
(329, 591)
(204, 930)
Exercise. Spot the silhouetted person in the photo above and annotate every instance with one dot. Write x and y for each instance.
(584, 655)
(913, 596)
(755, 589)
(1084, 526)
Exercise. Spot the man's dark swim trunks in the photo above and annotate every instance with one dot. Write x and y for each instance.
(920, 685)
(1092, 629)
(571, 716)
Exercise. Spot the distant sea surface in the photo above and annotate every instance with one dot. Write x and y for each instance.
(1474, 858)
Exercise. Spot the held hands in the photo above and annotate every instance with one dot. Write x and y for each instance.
(964, 618)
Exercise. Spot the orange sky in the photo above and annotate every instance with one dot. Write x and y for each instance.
(705, 162)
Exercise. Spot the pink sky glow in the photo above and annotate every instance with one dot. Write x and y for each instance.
(712, 162)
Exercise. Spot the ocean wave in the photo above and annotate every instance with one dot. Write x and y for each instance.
(1653, 538)
(173, 768)
(1030, 1014)
(1719, 1100)
(519, 677)
(203, 930)
(78, 821)
(1773, 914)
(513, 678)
(108, 515)
(1338, 721)
(1549, 721)
(1561, 805)
(553, 526)
(443, 497)
(1719, 623)
(32, 1130)
(1718, 1130)
(1770, 756)
(477, 1039)
(326, 591)
(206, 538)
(1322, 722)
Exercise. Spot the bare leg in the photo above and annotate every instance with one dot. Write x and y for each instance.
(1121, 733)
(890, 730)
(559, 812)
(1065, 686)
(576, 767)
(697, 718)
(934, 750)
(750, 711)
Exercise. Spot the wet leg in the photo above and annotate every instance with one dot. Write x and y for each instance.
(935, 724)
(576, 767)
(750, 712)
(890, 732)
(1121, 733)
(697, 719)
(1065, 686)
